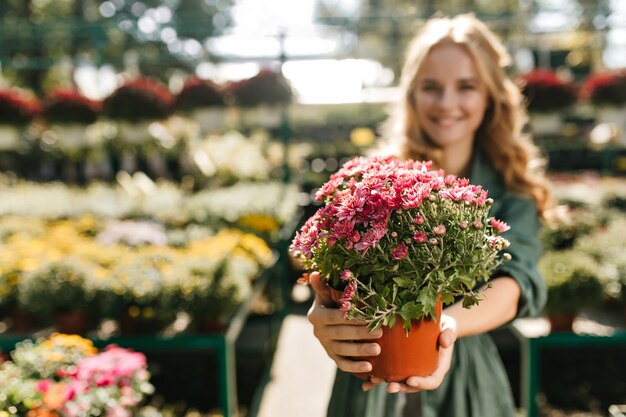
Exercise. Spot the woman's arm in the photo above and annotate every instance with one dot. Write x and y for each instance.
(498, 306)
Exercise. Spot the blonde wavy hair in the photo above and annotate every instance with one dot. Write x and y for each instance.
(500, 137)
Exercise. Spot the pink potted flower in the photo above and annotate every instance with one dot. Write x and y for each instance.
(396, 240)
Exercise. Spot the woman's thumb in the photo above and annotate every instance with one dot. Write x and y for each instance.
(322, 292)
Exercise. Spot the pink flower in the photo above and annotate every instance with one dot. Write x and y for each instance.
(419, 219)
(477, 224)
(439, 230)
(307, 237)
(44, 385)
(399, 252)
(346, 297)
(419, 237)
(346, 275)
(499, 225)
(372, 236)
(355, 236)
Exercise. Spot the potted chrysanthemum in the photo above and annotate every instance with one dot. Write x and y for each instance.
(546, 96)
(17, 110)
(606, 91)
(61, 291)
(396, 240)
(204, 101)
(65, 375)
(574, 283)
(134, 105)
(68, 113)
(260, 98)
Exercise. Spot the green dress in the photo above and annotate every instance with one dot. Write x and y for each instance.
(476, 384)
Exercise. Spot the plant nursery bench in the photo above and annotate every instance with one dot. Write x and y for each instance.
(534, 334)
(222, 343)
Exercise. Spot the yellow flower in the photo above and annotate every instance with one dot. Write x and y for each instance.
(259, 222)
(27, 264)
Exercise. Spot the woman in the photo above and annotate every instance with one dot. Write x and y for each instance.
(460, 110)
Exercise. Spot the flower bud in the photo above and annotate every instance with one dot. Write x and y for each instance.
(477, 224)
(463, 224)
(432, 197)
(439, 229)
(394, 234)
(489, 202)
(419, 219)
(433, 241)
(507, 257)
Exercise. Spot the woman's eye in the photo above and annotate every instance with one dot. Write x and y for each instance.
(430, 88)
(468, 87)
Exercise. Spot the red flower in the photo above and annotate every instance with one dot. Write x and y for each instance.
(608, 88)
(545, 91)
(17, 107)
(399, 251)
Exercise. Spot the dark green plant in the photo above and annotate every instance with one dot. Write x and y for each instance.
(197, 93)
(69, 106)
(57, 287)
(573, 281)
(267, 87)
(563, 230)
(139, 100)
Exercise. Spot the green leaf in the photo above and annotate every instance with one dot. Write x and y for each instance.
(447, 299)
(403, 282)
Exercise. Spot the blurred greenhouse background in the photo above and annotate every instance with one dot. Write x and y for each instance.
(157, 156)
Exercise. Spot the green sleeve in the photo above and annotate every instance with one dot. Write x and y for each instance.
(520, 213)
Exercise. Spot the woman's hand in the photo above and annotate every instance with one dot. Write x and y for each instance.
(340, 337)
(431, 382)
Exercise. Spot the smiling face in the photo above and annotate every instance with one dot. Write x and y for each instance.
(450, 98)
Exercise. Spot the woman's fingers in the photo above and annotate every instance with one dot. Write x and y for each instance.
(348, 365)
(354, 349)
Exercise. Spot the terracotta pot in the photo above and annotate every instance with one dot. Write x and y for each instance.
(561, 322)
(402, 355)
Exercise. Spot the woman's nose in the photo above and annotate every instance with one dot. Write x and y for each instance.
(447, 98)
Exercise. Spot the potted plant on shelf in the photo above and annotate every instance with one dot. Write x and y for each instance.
(396, 240)
(61, 291)
(204, 101)
(17, 110)
(607, 92)
(566, 226)
(260, 98)
(140, 294)
(65, 375)
(574, 284)
(547, 95)
(68, 113)
(136, 104)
